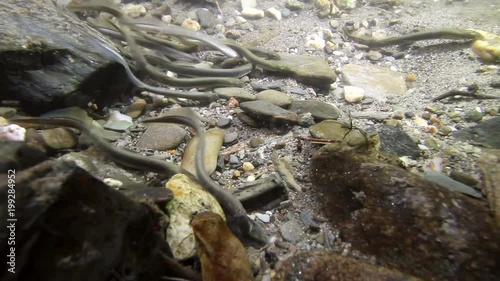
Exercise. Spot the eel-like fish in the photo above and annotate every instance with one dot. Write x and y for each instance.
(248, 231)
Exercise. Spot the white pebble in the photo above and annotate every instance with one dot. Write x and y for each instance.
(12, 132)
(112, 182)
(115, 115)
(353, 94)
(251, 178)
(263, 217)
(274, 13)
(252, 13)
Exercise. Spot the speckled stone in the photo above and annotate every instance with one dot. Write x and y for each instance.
(161, 136)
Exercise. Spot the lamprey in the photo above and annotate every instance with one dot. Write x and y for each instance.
(123, 157)
(149, 25)
(111, 54)
(444, 33)
(271, 65)
(484, 44)
(160, 76)
(248, 231)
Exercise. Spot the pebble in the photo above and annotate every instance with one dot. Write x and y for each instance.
(265, 218)
(451, 184)
(319, 110)
(59, 138)
(224, 122)
(238, 93)
(205, 17)
(234, 160)
(136, 108)
(230, 138)
(248, 167)
(274, 13)
(256, 142)
(295, 5)
(161, 136)
(291, 231)
(473, 116)
(252, 13)
(275, 97)
(306, 120)
(374, 55)
(191, 24)
(334, 23)
(353, 94)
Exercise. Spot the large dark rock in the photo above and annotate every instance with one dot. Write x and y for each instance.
(321, 265)
(71, 226)
(406, 222)
(48, 60)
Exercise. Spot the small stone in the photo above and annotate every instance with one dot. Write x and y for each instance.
(230, 138)
(353, 94)
(473, 116)
(256, 142)
(191, 24)
(236, 174)
(252, 13)
(409, 114)
(133, 10)
(334, 24)
(234, 160)
(275, 97)
(233, 103)
(251, 178)
(265, 218)
(136, 108)
(398, 114)
(431, 109)
(306, 120)
(445, 130)
(426, 115)
(291, 231)
(161, 136)
(295, 5)
(59, 138)
(205, 17)
(274, 13)
(223, 122)
(374, 56)
(248, 167)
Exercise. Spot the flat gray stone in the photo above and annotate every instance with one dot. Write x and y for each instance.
(275, 97)
(378, 82)
(319, 110)
(310, 70)
(486, 132)
(291, 231)
(162, 136)
(262, 110)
